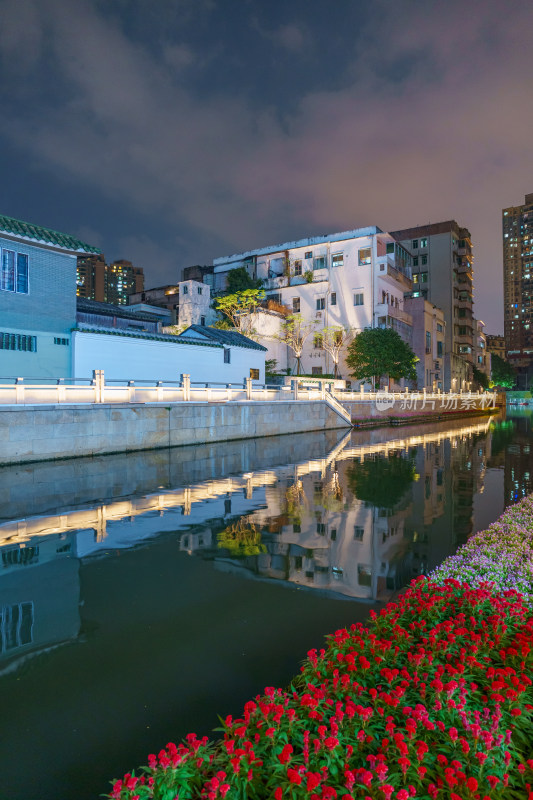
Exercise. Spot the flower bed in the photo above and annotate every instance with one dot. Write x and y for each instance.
(502, 554)
(432, 699)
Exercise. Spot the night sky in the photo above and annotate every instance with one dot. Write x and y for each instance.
(170, 133)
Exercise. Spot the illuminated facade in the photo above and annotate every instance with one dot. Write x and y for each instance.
(107, 283)
(443, 274)
(518, 283)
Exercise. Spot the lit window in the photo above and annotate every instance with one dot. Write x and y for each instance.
(364, 256)
(254, 374)
(423, 242)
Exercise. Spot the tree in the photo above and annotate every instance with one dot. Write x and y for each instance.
(333, 340)
(502, 373)
(380, 351)
(381, 480)
(295, 332)
(480, 378)
(239, 280)
(239, 307)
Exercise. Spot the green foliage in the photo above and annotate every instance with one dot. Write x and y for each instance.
(380, 351)
(308, 276)
(502, 373)
(223, 324)
(295, 332)
(238, 307)
(481, 379)
(239, 280)
(381, 481)
(241, 539)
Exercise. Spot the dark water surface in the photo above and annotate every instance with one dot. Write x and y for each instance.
(142, 595)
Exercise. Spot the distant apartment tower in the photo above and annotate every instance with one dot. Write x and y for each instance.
(443, 274)
(518, 283)
(107, 283)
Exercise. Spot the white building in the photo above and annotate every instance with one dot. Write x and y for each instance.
(355, 279)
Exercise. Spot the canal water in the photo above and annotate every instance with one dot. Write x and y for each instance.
(142, 595)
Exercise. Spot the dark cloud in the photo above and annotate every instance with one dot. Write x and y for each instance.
(215, 127)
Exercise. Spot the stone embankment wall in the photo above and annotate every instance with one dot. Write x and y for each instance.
(39, 433)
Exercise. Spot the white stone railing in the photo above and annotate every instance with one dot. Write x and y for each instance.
(22, 391)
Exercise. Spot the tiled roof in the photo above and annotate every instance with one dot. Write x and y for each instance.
(157, 337)
(229, 338)
(110, 310)
(35, 233)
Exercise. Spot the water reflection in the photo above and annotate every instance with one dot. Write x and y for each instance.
(155, 566)
(357, 520)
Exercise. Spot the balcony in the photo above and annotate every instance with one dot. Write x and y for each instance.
(463, 269)
(464, 251)
(464, 302)
(383, 309)
(397, 275)
(276, 282)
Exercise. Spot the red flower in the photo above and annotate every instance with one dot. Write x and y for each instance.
(472, 784)
(285, 754)
(278, 793)
(331, 743)
(294, 776)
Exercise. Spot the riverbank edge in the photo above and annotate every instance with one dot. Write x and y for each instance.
(417, 419)
(30, 434)
(493, 593)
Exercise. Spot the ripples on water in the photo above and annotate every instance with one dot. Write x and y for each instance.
(143, 594)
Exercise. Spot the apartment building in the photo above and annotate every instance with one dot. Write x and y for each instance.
(442, 272)
(107, 283)
(517, 223)
(481, 352)
(188, 302)
(354, 279)
(496, 345)
(428, 341)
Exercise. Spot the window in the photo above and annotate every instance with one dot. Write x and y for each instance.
(185, 290)
(14, 272)
(254, 374)
(439, 327)
(317, 342)
(415, 261)
(424, 242)
(415, 244)
(316, 370)
(463, 330)
(296, 304)
(337, 259)
(423, 275)
(18, 341)
(428, 341)
(16, 626)
(439, 349)
(358, 533)
(390, 247)
(227, 355)
(320, 303)
(358, 299)
(202, 321)
(200, 290)
(309, 254)
(320, 262)
(364, 256)
(333, 299)
(298, 267)
(424, 260)
(415, 277)
(60, 340)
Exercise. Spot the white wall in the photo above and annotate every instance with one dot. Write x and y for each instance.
(132, 358)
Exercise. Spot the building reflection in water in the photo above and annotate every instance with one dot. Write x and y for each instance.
(358, 521)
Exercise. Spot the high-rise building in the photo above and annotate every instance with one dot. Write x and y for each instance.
(107, 283)
(496, 345)
(518, 284)
(443, 274)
